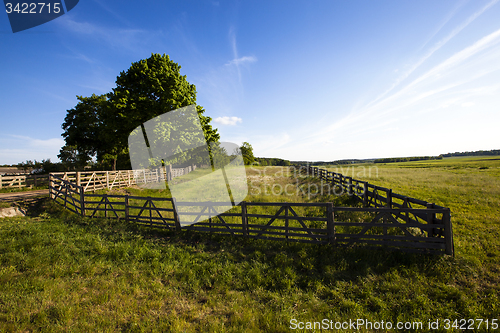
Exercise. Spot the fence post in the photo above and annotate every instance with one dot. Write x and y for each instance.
(105, 205)
(0, 182)
(448, 233)
(365, 194)
(330, 223)
(349, 186)
(287, 231)
(50, 185)
(107, 180)
(176, 216)
(244, 218)
(389, 198)
(82, 201)
(430, 219)
(126, 209)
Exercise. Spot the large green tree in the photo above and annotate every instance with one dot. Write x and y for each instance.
(99, 125)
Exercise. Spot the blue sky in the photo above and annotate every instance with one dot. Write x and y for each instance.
(300, 80)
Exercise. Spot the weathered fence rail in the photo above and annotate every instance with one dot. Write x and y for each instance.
(99, 180)
(20, 181)
(370, 195)
(384, 221)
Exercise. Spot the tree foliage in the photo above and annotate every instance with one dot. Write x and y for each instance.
(264, 161)
(407, 159)
(100, 125)
(247, 152)
(493, 152)
(43, 167)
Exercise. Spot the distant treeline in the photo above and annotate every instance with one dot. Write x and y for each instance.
(408, 159)
(474, 153)
(263, 161)
(337, 162)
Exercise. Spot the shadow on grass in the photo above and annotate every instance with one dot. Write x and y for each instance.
(277, 265)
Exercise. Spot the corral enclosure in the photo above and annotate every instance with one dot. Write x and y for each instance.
(381, 217)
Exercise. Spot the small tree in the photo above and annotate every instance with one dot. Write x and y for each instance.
(247, 152)
(71, 158)
(26, 166)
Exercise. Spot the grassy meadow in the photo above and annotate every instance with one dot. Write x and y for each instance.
(63, 273)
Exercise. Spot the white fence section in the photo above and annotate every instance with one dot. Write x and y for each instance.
(99, 180)
(20, 181)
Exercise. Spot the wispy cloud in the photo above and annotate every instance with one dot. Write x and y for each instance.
(112, 12)
(231, 121)
(222, 85)
(437, 46)
(238, 61)
(28, 148)
(39, 143)
(242, 60)
(455, 101)
(119, 38)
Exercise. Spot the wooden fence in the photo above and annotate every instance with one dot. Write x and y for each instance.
(370, 195)
(99, 180)
(20, 181)
(401, 226)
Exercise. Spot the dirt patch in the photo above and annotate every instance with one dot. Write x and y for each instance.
(11, 212)
(16, 196)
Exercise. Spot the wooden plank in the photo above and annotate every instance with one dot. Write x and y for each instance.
(114, 210)
(330, 224)
(235, 232)
(147, 208)
(155, 224)
(154, 198)
(148, 220)
(300, 204)
(281, 217)
(236, 226)
(300, 220)
(402, 225)
(274, 217)
(387, 210)
(244, 218)
(298, 240)
(206, 212)
(176, 215)
(273, 227)
(290, 234)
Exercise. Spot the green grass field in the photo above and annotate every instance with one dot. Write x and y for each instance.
(62, 273)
